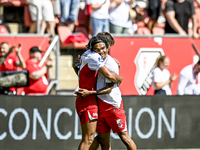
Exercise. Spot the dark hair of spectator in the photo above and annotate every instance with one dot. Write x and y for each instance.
(5, 43)
(109, 37)
(95, 40)
(160, 59)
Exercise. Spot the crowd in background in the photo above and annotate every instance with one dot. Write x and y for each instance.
(114, 16)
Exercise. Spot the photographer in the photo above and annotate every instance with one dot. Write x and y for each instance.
(10, 59)
(37, 75)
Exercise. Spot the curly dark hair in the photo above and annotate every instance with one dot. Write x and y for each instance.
(108, 37)
(95, 40)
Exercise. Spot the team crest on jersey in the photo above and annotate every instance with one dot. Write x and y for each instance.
(119, 123)
(100, 59)
(145, 62)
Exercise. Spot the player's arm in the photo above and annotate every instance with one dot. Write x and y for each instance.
(110, 75)
(105, 90)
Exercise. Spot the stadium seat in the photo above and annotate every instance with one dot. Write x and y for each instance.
(82, 30)
(64, 32)
(3, 30)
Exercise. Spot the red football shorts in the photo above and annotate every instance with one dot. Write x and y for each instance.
(88, 115)
(87, 109)
(116, 122)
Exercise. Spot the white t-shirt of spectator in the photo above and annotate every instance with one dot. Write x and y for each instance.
(187, 82)
(120, 15)
(101, 13)
(161, 76)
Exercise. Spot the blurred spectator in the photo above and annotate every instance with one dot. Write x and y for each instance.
(154, 11)
(139, 18)
(161, 77)
(99, 16)
(46, 13)
(69, 12)
(10, 59)
(120, 21)
(178, 13)
(57, 10)
(189, 82)
(38, 82)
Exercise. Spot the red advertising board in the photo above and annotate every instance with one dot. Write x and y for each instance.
(137, 56)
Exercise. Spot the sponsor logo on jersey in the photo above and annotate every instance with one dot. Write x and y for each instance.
(100, 59)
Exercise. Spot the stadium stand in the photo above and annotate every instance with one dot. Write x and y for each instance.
(3, 30)
(65, 33)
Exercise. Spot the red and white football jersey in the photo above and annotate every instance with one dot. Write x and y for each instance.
(113, 99)
(91, 62)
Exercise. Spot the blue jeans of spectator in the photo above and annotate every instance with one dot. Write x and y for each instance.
(99, 25)
(69, 10)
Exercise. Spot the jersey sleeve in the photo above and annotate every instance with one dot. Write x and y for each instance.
(113, 67)
(95, 61)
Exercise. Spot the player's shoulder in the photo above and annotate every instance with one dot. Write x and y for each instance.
(110, 62)
(111, 59)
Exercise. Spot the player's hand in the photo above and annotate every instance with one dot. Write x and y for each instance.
(77, 62)
(81, 93)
